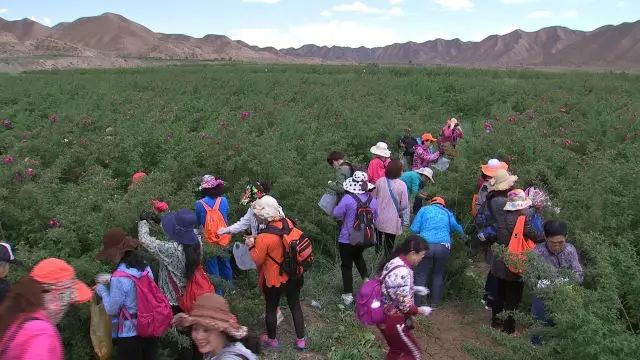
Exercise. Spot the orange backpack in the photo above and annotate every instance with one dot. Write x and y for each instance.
(213, 222)
(518, 248)
(474, 205)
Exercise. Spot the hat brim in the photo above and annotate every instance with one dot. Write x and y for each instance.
(346, 186)
(107, 254)
(83, 292)
(183, 320)
(518, 205)
(507, 184)
(430, 176)
(384, 153)
(168, 223)
(491, 171)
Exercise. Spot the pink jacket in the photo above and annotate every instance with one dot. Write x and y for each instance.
(376, 169)
(423, 157)
(36, 338)
(388, 220)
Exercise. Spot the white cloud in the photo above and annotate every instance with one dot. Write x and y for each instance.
(326, 13)
(570, 13)
(540, 14)
(362, 8)
(455, 5)
(46, 21)
(395, 2)
(622, 3)
(340, 33)
(517, 2)
(261, 1)
(4, 10)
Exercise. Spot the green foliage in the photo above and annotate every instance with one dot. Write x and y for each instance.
(178, 123)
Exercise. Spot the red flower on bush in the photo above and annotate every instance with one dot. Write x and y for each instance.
(488, 127)
(245, 115)
(512, 119)
(54, 223)
(17, 177)
(53, 118)
(567, 142)
(8, 159)
(7, 124)
(160, 206)
(30, 172)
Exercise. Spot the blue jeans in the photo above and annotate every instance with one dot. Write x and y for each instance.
(433, 266)
(539, 314)
(219, 266)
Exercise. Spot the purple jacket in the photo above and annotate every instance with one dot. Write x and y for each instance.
(567, 259)
(346, 211)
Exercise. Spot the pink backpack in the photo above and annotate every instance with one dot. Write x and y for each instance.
(154, 311)
(369, 302)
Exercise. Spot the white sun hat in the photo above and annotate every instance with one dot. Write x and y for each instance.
(426, 172)
(381, 149)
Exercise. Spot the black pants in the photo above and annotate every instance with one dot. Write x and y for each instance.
(350, 255)
(386, 242)
(272, 297)
(136, 348)
(185, 353)
(508, 298)
(417, 205)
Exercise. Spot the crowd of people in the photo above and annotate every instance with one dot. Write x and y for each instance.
(372, 207)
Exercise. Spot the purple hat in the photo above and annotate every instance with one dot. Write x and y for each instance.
(180, 226)
(210, 182)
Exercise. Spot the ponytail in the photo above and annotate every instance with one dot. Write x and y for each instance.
(413, 243)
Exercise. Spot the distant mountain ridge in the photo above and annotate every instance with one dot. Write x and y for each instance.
(112, 35)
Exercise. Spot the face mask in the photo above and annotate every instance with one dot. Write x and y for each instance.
(57, 301)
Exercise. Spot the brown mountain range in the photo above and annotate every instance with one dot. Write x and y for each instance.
(112, 36)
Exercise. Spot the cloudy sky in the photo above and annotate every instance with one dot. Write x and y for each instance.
(285, 23)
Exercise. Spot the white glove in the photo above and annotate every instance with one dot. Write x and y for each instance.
(425, 310)
(421, 290)
(543, 283)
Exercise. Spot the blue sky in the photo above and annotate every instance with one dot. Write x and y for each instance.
(284, 23)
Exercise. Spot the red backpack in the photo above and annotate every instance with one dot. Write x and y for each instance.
(154, 311)
(197, 286)
(213, 222)
(298, 251)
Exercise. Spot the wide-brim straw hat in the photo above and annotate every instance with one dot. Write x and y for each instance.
(115, 243)
(493, 166)
(517, 200)
(212, 312)
(381, 149)
(426, 172)
(502, 180)
(358, 183)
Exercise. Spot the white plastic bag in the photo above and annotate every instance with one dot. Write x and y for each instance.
(442, 164)
(328, 202)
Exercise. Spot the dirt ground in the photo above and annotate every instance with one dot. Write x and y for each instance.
(449, 329)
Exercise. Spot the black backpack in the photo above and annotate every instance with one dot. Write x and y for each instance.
(364, 231)
(298, 251)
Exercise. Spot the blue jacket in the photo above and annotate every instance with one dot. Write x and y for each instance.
(201, 213)
(121, 292)
(435, 223)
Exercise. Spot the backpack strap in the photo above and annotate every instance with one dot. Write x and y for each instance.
(281, 232)
(124, 314)
(356, 199)
(14, 333)
(204, 204)
(216, 206)
(174, 285)
(393, 197)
